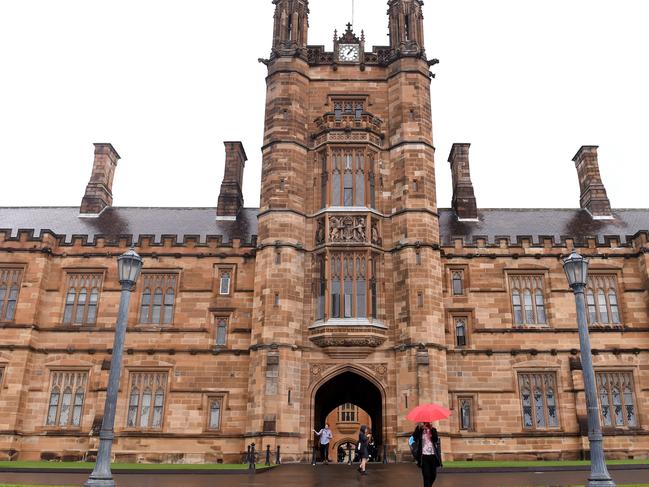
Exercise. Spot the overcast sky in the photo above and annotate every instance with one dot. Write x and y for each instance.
(526, 82)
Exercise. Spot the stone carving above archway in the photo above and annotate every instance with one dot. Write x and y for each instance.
(318, 370)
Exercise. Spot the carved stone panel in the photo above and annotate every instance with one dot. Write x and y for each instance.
(347, 229)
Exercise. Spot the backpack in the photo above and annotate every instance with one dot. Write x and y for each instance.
(414, 446)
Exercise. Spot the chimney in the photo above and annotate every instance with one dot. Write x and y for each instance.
(99, 192)
(464, 202)
(593, 193)
(231, 196)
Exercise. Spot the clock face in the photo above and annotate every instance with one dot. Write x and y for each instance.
(349, 52)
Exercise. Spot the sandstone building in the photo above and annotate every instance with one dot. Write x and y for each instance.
(348, 285)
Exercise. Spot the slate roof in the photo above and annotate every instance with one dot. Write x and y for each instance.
(135, 222)
(201, 223)
(541, 223)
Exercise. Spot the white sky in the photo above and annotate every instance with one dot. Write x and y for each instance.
(527, 82)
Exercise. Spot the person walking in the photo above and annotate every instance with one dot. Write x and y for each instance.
(364, 437)
(428, 452)
(325, 435)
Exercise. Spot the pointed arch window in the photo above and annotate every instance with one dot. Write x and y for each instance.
(350, 286)
(67, 395)
(616, 399)
(10, 279)
(215, 407)
(147, 394)
(321, 280)
(221, 331)
(602, 300)
(528, 300)
(457, 282)
(158, 298)
(539, 400)
(460, 332)
(466, 413)
(351, 176)
(82, 299)
(225, 282)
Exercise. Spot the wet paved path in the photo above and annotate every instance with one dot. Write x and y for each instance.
(336, 476)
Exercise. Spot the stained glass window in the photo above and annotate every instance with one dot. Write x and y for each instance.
(10, 280)
(146, 400)
(616, 399)
(67, 394)
(539, 400)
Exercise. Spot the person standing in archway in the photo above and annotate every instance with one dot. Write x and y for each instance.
(364, 437)
(428, 452)
(325, 435)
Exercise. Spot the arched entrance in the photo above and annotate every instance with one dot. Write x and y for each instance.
(350, 386)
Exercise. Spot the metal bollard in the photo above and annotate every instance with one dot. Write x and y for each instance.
(267, 455)
(385, 454)
(277, 459)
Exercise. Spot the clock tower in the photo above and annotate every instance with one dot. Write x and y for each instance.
(348, 293)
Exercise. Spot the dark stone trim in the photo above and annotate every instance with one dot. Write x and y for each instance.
(411, 142)
(350, 80)
(549, 329)
(288, 142)
(554, 352)
(280, 434)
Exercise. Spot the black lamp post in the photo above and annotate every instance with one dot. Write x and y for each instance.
(129, 266)
(576, 268)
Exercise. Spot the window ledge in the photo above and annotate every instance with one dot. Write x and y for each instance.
(348, 333)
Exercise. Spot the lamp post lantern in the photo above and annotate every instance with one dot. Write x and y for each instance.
(576, 269)
(129, 266)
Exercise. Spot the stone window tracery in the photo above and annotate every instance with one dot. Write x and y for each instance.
(10, 279)
(539, 400)
(353, 108)
(349, 285)
(602, 300)
(146, 402)
(616, 399)
(465, 407)
(225, 279)
(347, 178)
(67, 395)
(348, 413)
(460, 331)
(528, 300)
(82, 299)
(221, 331)
(457, 282)
(158, 298)
(214, 411)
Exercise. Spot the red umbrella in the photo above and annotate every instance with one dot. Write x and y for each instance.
(427, 413)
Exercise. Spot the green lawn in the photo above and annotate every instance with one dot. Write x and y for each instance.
(533, 464)
(125, 466)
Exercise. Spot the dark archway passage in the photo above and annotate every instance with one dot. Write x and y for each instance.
(353, 388)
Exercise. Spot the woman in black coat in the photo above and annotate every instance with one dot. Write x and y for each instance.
(428, 452)
(364, 437)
